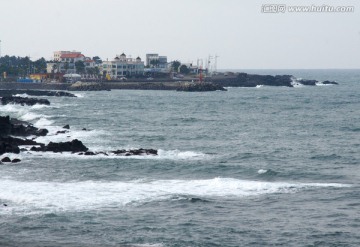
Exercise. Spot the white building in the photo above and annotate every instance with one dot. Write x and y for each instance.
(122, 66)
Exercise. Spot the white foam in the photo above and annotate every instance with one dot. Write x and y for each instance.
(296, 83)
(262, 171)
(180, 155)
(22, 95)
(162, 154)
(43, 122)
(79, 95)
(321, 84)
(39, 106)
(259, 86)
(29, 116)
(34, 197)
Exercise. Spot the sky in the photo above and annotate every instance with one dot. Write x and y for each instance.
(237, 31)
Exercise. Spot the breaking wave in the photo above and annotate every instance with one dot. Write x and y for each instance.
(34, 197)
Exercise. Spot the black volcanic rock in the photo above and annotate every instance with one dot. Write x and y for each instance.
(73, 146)
(6, 160)
(29, 130)
(15, 160)
(23, 101)
(330, 83)
(249, 80)
(5, 126)
(137, 152)
(4, 93)
(252, 80)
(200, 87)
(307, 82)
(66, 127)
(11, 144)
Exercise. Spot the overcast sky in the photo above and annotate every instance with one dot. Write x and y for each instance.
(237, 31)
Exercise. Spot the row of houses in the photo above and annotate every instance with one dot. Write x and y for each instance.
(71, 62)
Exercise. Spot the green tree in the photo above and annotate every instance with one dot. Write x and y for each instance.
(175, 65)
(66, 66)
(184, 69)
(97, 59)
(154, 62)
(97, 70)
(40, 65)
(80, 67)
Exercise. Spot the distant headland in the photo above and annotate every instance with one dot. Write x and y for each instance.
(71, 70)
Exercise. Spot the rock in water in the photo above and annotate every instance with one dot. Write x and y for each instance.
(200, 87)
(5, 126)
(136, 152)
(66, 127)
(23, 101)
(6, 159)
(15, 160)
(73, 146)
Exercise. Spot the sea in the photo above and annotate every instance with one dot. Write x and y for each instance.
(264, 166)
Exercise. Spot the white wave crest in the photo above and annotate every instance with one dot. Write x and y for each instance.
(43, 122)
(22, 95)
(35, 197)
(79, 95)
(180, 155)
(162, 154)
(262, 171)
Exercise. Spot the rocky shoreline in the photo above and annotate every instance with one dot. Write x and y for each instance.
(217, 81)
(14, 133)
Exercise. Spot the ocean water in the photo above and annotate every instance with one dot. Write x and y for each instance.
(266, 166)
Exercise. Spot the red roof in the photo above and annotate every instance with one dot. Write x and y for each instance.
(72, 55)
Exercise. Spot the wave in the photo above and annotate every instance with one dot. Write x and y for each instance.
(321, 84)
(162, 154)
(38, 197)
(79, 95)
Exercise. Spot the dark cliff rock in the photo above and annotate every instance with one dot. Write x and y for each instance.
(19, 128)
(23, 101)
(15, 127)
(6, 147)
(200, 87)
(73, 146)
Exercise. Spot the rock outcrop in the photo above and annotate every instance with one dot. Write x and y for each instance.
(138, 152)
(23, 101)
(87, 86)
(19, 128)
(73, 146)
(12, 92)
(250, 80)
(200, 87)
